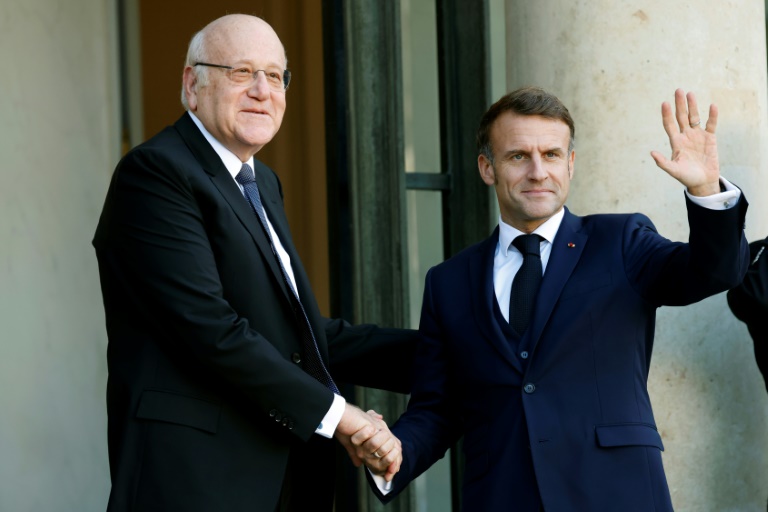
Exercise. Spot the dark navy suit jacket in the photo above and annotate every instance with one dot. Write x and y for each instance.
(570, 425)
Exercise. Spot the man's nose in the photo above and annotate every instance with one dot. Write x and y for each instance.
(260, 86)
(536, 170)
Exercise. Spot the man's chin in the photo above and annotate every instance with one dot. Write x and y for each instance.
(540, 214)
(257, 138)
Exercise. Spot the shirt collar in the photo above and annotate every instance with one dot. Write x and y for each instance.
(228, 158)
(547, 231)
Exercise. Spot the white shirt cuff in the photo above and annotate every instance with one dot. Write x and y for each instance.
(331, 420)
(383, 485)
(721, 201)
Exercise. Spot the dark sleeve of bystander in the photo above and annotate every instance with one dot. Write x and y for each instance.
(749, 302)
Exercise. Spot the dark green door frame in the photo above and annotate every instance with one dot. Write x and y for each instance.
(367, 179)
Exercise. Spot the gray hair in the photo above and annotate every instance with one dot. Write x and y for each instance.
(196, 53)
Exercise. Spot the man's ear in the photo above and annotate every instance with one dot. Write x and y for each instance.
(487, 173)
(571, 164)
(189, 82)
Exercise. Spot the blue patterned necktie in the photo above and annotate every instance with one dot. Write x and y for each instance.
(525, 286)
(314, 363)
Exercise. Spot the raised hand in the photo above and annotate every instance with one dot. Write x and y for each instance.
(694, 161)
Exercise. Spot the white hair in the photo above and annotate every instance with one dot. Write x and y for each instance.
(196, 53)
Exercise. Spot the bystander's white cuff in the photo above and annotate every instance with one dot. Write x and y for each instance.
(327, 427)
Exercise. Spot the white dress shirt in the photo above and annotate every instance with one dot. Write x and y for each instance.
(507, 260)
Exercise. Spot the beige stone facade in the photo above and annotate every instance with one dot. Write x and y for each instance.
(613, 63)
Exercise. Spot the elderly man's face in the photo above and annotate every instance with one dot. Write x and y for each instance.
(242, 118)
(532, 168)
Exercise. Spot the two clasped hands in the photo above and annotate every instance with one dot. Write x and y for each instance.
(368, 440)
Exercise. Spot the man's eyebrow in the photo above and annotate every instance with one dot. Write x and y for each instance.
(241, 63)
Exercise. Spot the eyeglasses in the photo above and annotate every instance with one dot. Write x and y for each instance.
(247, 77)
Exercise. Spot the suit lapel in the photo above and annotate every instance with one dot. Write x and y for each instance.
(567, 248)
(223, 181)
(481, 283)
(271, 200)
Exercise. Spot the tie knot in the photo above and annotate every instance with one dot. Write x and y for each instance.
(245, 175)
(527, 244)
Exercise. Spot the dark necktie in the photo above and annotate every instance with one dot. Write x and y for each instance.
(525, 286)
(314, 363)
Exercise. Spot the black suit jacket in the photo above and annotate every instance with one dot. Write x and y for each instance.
(565, 416)
(207, 399)
(749, 302)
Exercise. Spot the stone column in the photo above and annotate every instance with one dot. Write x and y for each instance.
(613, 63)
(59, 141)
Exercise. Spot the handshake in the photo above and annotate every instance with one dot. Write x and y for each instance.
(369, 441)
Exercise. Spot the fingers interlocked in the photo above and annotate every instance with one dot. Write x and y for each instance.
(379, 449)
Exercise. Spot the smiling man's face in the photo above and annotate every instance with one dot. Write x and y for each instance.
(531, 170)
(243, 119)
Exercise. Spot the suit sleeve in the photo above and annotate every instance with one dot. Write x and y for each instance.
(674, 273)
(153, 246)
(749, 302)
(749, 299)
(371, 356)
(431, 424)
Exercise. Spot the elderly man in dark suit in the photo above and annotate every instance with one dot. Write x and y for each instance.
(537, 342)
(222, 392)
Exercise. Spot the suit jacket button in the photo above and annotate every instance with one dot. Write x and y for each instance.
(524, 354)
(285, 422)
(296, 357)
(278, 417)
(529, 388)
(290, 425)
(272, 413)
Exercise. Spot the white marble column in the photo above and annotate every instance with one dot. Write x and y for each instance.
(613, 63)
(59, 141)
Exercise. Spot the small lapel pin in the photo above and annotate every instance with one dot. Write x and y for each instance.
(571, 245)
